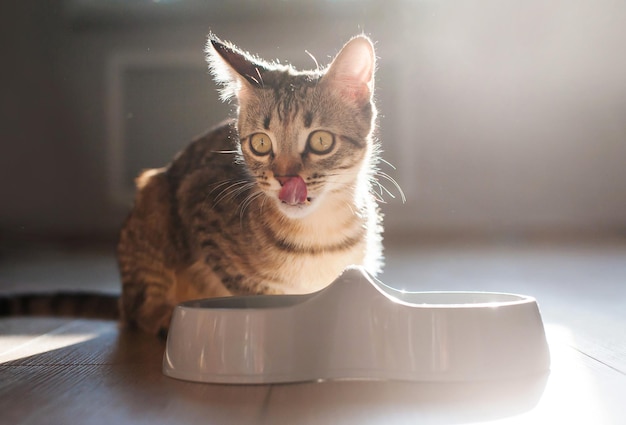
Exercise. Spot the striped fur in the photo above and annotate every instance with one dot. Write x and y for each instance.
(211, 223)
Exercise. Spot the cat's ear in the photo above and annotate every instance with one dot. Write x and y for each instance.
(232, 68)
(352, 71)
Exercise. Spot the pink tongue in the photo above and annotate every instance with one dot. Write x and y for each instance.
(293, 191)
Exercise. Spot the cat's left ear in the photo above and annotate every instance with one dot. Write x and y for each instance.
(233, 68)
(352, 71)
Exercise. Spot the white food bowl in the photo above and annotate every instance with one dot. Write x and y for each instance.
(357, 328)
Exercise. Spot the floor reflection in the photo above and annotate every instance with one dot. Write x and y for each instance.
(400, 402)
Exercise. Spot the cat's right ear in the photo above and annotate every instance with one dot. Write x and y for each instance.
(232, 68)
(352, 71)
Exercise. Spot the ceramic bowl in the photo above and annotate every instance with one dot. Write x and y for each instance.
(357, 328)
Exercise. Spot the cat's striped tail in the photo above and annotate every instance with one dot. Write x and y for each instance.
(87, 305)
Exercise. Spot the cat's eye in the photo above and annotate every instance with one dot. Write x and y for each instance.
(260, 144)
(321, 142)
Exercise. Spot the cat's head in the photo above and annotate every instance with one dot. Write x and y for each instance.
(305, 136)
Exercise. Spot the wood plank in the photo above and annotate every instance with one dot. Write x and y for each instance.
(116, 394)
(114, 377)
(16, 333)
(38, 339)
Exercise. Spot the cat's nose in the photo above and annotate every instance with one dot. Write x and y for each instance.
(286, 166)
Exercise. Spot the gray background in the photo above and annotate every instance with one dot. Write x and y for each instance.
(504, 118)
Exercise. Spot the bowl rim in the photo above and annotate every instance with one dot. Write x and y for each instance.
(249, 303)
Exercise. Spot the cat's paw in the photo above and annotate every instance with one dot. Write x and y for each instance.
(156, 320)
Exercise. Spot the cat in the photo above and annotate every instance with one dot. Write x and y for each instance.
(279, 200)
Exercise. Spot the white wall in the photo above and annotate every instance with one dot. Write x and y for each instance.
(515, 115)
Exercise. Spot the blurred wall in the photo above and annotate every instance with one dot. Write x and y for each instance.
(502, 117)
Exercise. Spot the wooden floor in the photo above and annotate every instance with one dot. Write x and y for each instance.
(68, 371)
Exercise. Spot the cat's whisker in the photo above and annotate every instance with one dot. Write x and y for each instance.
(250, 201)
(239, 191)
(225, 152)
(233, 190)
(378, 196)
(263, 204)
(260, 77)
(246, 203)
(390, 179)
(349, 205)
(381, 191)
(387, 191)
(317, 65)
(383, 160)
(254, 79)
(221, 184)
(351, 186)
(215, 187)
(228, 192)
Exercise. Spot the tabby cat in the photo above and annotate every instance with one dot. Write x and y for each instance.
(278, 201)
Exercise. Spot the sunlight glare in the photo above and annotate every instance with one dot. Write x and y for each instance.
(570, 396)
(15, 347)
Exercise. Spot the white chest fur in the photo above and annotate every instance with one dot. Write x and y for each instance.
(305, 273)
